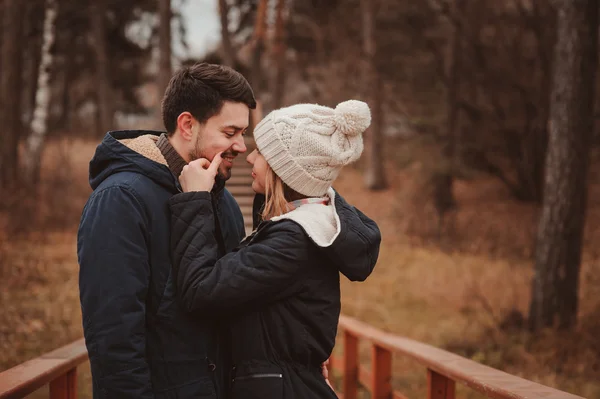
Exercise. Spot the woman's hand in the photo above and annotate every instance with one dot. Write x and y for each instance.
(199, 175)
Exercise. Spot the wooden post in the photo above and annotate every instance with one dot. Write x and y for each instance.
(65, 386)
(350, 384)
(381, 373)
(439, 386)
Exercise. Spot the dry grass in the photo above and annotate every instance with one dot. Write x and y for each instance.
(461, 298)
(464, 294)
(38, 262)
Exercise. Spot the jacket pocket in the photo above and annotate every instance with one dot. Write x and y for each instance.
(258, 386)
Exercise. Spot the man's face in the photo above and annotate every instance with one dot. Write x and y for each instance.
(222, 133)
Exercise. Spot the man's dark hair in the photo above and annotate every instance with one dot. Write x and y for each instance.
(201, 90)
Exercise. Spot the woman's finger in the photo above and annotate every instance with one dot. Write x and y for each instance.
(200, 162)
(214, 165)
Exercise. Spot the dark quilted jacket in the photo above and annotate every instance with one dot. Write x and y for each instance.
(280, 291)
(141, 342)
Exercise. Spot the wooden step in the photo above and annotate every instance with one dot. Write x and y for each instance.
(244, 200)
(239, 181)
(240, 190)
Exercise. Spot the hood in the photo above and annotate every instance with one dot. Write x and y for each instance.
(349, 238)
(130, 151)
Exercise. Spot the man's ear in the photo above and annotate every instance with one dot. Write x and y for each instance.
(184, 125)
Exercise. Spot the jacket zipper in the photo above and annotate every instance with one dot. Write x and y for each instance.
(263, 375)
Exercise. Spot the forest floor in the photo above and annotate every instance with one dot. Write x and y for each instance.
(466, 291)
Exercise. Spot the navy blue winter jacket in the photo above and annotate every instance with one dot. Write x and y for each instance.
(141, 343)
(280, 288)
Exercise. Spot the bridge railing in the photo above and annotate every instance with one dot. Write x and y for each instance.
(58, 369)
(444, 369)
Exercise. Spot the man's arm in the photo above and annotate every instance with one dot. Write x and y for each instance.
(113, 282)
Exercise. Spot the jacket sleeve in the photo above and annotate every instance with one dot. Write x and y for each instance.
(364, 237)
(113, 281)
(259, 273)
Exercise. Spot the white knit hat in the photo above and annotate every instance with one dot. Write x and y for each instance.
(306, 145)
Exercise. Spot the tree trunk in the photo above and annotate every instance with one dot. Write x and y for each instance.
(280, 72)
(259, 45)
(105, 111)
(255, 67)
(228, 53)
(164, 38)
(10, 92)
(39, 124)
(375, 168)
(443, 180)
(33, 35)
(560, 231)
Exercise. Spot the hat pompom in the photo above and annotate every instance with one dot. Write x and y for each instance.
(352, 117)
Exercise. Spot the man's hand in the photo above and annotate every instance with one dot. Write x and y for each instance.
(199, 175)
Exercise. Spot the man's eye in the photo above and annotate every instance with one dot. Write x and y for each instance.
(230, 134)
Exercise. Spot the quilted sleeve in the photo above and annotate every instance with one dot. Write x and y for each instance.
(262, 272)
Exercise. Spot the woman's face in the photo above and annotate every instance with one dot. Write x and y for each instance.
(259, 171)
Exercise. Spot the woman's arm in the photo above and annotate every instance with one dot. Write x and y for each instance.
(259, 273)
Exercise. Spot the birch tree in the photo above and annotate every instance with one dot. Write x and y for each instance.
(164, 38)
(39, 124)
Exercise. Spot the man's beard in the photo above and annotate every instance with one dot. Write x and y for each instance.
(223, 173)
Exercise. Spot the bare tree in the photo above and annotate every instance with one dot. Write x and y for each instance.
(443, 179)
(10, 91)
(105, 111)
(228, 53)
(258, 45)
(560, 231)
(260, 28)
(375, 168)
(280, 48)
(39, 124)
(165, 69)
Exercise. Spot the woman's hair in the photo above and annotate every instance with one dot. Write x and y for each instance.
(277, 195)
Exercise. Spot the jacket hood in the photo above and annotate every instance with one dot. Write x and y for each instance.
(349, 238)
(130, 151)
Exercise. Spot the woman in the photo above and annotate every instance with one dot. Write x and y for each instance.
(280, 289)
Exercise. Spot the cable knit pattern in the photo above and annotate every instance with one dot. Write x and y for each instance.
(306, 145)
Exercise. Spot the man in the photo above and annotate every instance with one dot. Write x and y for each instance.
(141, 343)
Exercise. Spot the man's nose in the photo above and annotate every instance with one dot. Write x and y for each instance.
(239, 145)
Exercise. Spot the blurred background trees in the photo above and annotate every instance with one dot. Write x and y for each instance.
(461, 88)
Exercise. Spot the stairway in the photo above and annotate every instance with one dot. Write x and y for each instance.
(240, 185)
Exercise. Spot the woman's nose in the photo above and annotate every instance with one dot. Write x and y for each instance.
(250, 158)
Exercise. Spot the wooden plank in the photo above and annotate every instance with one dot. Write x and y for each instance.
(27, 377)
(381, 372)
(398, 395)
(439, 386)
(364, 377)
(336, 363)
(491, 382)
(350, 384)
(65, 386)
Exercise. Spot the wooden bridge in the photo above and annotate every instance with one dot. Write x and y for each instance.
(58, 369)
